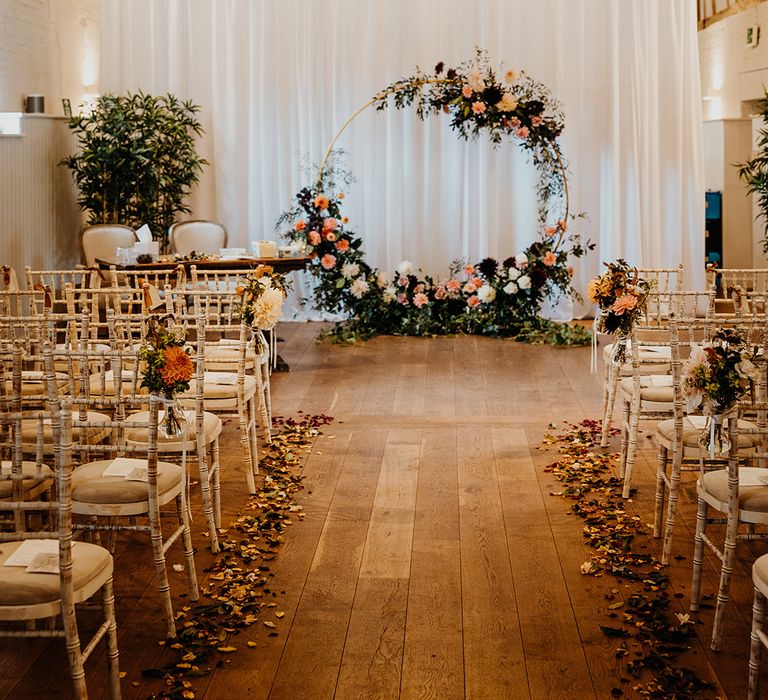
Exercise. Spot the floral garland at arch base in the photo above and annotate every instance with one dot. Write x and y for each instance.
(499, 298)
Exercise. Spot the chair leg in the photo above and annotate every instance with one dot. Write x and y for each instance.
(674, 493)
(205, 492)
(108, 603)
(698, 553)
(723, 593)
(253, 435)
(74, 651)
(189, 554)
(215, 471)
(163, 585)
(758, 618)
(246, 444)
(661, 488)
(626, 410)
(634, 425)
(610, 382)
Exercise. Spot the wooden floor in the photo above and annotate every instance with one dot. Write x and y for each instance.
(433, 561)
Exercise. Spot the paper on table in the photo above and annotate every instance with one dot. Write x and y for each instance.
(29, 549)
(143, 234)
(122, 466)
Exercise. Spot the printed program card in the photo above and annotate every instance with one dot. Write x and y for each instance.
(27, 551)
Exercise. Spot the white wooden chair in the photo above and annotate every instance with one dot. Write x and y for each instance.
(738, 492)
(197, 236)
(662, 279)
(78, 570)
(102, 240)
(758, 636)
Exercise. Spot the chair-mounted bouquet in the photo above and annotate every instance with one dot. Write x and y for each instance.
(716, 376)
(261, 297)
(167, 370)
(621, 295)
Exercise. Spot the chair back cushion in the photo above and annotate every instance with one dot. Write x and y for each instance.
(199, 236)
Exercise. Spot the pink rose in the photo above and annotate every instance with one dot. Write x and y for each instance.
(522, 132)
(549, 258)
(478, 107)
(466, 91)
(420, 300)
(477, 282)
(440, 293)
(453, 286)
(419, 288)
(514, 122)
(626, 302)
(403, 281)
(469, 287)
(473, 301)
(300, 225)
(537, 121)
(328, 261)
(402, 299)
(314, 238)
(330, 224)
(342, 245)
(469, 269)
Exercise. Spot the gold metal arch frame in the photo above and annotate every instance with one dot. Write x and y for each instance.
(430, 81)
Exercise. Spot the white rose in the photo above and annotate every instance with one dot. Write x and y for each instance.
(350, 270)
(358, 287)
(486, 293)
(511, 288)
(405, 268)
(389, 294)
(524, 282)
(521, 260)
(381, 280)
(513, 273)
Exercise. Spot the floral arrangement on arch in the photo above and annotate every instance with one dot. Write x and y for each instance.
(167, 366)
(622, 296)
(719, 373)
(261, 297)
(491, 297)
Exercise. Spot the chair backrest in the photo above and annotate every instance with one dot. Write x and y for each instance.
(749, 279)
(198, 236)
(663, 279)
(102, 240)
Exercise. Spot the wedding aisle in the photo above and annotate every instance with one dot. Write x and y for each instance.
(432, 560)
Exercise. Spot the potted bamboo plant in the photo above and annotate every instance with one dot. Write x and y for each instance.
(136, 160)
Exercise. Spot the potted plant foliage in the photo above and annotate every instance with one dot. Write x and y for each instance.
(136, 160)
(755, 171)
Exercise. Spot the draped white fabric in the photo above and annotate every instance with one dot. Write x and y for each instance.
(277, 79)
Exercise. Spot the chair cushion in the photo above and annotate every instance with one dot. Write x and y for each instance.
(211, 428)
(218, 392)
(760, 574)
(33, 383)
(754, 498)
(17, 587)
(693, 427)
(89, 486)
(28, 469)
(648, 391)
(92, 434)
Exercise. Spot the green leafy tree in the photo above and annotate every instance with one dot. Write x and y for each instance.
(137, 160)
(755, 171)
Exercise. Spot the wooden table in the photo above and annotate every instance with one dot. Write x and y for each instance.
(278, 264)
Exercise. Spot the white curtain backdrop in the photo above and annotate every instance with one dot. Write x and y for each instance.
(276, 79)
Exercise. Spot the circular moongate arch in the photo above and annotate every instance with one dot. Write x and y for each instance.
(490, 297)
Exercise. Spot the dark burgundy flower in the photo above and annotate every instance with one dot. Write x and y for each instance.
(439, 68)
(487, 267)
(492, 94)
(451, 74)
(509, 262)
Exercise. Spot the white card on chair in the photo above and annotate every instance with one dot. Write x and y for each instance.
(44, 563)
(227, 378)
(661, 380)
(122, 466)
(29, 549)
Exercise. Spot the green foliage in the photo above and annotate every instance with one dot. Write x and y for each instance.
(754, 172)
(136, 160)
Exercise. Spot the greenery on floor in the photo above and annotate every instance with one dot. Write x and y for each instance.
(237, 594)
(651, 638)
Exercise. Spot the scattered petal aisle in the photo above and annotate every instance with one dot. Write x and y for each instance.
(237, 594)
(652, 639)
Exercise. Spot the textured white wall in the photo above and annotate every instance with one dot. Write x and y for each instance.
(50, 47)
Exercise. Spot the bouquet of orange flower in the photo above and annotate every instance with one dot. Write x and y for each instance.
(168, 369)
(621, 294)
(261, 297)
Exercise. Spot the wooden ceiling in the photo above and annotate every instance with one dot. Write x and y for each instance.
(711, 11)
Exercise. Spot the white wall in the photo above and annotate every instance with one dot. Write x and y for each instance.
(48, 47)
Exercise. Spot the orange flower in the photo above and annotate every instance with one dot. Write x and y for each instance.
(549, 258)
(626, 302)
(321, 201)
(177, 366)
